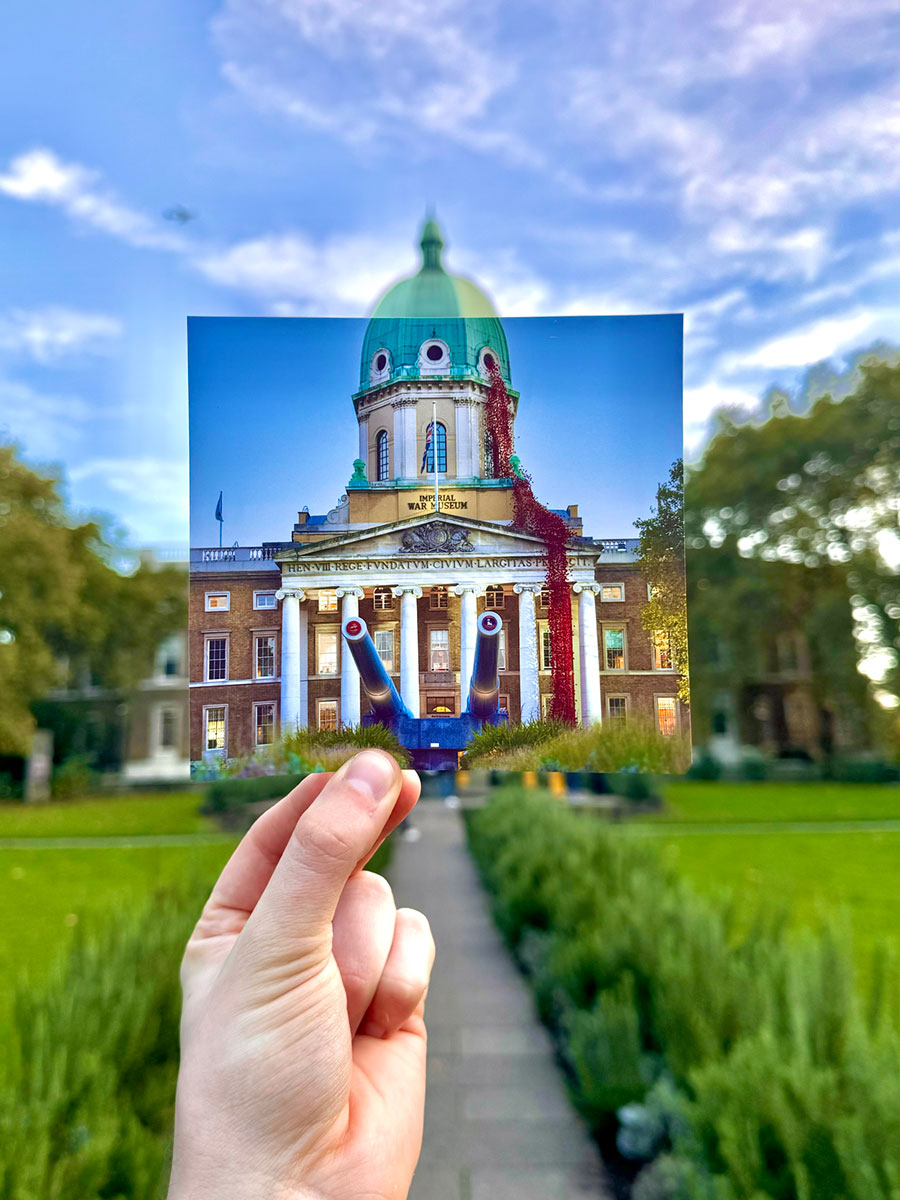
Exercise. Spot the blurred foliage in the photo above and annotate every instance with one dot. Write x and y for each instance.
(785, 519)
(737, 1050)
(66, 615)
(661, 559)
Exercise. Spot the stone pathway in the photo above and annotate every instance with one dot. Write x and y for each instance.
(498, 1123)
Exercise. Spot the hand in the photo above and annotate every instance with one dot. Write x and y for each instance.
(302, 1033)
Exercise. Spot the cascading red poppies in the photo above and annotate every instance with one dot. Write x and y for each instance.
(532, 517)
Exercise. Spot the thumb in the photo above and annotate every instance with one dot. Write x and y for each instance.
(332, 837)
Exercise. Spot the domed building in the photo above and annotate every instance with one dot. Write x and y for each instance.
(419, 545)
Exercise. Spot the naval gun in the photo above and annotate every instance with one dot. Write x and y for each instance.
(435, 743)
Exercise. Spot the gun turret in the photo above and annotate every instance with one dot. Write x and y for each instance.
(484, 688)
(379, 687)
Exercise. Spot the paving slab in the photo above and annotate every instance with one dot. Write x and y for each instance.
(498, 1122)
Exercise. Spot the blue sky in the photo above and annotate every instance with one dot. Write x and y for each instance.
(736, 161)
(272, 424)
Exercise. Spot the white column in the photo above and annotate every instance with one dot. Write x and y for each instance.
(475, 436)
(304, 666)
(350, 703)
(409, 646)
(468, 634)
(466, 445)
(290, 658)
(405, 465)
(529, 682)
(589, 653)
(364, 444)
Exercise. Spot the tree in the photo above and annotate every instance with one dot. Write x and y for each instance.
(661, 558)
(65, 612)
(790, 522)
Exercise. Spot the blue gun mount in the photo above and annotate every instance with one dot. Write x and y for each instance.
(435, 743)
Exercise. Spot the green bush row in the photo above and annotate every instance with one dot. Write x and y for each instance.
(737, 1064)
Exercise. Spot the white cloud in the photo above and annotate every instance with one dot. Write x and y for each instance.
(46, 335)
(40, 177)
(819, 340)
(151, 494)
(46, 423)
(338, 277)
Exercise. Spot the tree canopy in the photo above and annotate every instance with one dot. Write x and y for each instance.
(661, 558)
(792, 522)
(65, 612)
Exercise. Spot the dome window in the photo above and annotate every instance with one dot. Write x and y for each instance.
(380, 367)
(434, 357)
(487, 361)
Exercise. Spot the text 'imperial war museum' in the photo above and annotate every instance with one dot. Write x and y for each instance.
(266, 648)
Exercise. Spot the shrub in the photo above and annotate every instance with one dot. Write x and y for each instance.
(607, 747)
(747, 1046)
(226, 794)
(72, 779)
(496, 740)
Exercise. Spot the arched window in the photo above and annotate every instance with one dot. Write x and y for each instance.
(383, 599)
(381, 451)
(489, 467)
(428, 457)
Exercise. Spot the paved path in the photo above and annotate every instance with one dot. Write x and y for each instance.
(498, 1123)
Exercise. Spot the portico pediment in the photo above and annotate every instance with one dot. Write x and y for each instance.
(427, 546)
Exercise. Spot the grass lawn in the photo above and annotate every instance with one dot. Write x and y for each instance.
(46, 894)
(154, 813)
(724, 803)
(837, 878)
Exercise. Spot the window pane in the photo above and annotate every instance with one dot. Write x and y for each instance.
(440, 649)
(381, 443)
(428, 456)
(493, 597)
(266, 600)
(328, 602)
(328, 714)
(611, 591)
(617, 706)
(662, 653)
(215, 728)
(384, 645)
(327, 653)
(216, 600)
(216, 658)
(546, 650)
(614, 641)
(501, 651)
(438, 597)
(383, 599)
(265, 657)
(439, 706)
(265, 724)
(666, 715)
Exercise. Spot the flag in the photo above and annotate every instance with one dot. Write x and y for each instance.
(219, 516)
(429, 439)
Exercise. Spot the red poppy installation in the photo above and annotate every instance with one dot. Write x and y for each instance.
(532, 517)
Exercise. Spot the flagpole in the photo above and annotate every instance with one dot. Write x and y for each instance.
(434, 442)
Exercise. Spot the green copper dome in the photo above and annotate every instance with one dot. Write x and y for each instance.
(432, 323)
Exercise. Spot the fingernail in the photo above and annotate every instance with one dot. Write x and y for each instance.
(371, 772)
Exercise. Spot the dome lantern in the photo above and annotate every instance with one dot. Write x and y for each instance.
(432, 306)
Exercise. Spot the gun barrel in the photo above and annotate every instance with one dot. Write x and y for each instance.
(379, 687)
(484, 688)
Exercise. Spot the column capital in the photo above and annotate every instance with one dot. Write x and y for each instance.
(465, 401)
(535, 588)
(349, 591)
(408, 589)
(292, 593)
(460, 588)
(586, 587)
(405, 402)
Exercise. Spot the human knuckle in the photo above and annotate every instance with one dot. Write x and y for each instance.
(322, 842)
